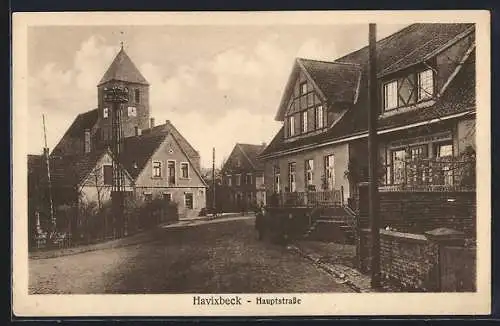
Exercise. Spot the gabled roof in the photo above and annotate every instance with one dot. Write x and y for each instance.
(170, 128)
(460, 96)
(137, 150)
(86, 120)
(393, 53)
(335, 82)
(123, 69)
(71, 170)
(251, 152)
(248, 153)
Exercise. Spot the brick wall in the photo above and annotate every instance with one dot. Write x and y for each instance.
(414, 263)
(418, 212)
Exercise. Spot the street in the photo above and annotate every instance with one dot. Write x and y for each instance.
(223, 257)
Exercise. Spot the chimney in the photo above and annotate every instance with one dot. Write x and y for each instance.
(151, 123)
(86, 145)
(167, 122)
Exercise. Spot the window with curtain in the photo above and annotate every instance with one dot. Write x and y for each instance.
(330, 171)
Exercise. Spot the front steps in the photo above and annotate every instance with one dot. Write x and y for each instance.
(334, 224)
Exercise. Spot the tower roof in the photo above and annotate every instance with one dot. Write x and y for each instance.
(123, 69)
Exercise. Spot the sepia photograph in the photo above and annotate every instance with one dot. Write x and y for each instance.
(251, 163)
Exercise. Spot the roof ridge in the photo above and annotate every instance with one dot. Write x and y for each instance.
(384, 39)
(332, 62)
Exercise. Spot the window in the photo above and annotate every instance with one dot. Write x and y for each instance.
(277, 179)
(105, 113)
(291, 177)
(148, 196)
(409, 89)
(443, 150)
(425, 85)
(107, 174)
(330, 172)
(156, 169)
(303, 88)
(291, 125)
(188, 200)
(248, 178)
(398, 166)
(304, 122)
(229, 180)
(137, 95)
(171, 172)
(132, 111)
(238, 179)
(309, 165)
(390, 95)
(167, 197)
(185, 170)
(319, 117)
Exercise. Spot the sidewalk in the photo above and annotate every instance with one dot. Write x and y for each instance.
(135, 239)
(335, 259)
(142, 237)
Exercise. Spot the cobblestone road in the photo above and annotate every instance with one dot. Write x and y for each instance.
(212, 258)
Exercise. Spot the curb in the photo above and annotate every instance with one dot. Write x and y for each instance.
(327, 268)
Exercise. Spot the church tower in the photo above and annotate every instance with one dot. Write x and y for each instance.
(135, 114)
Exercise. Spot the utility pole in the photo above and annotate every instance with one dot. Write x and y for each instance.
(213, 182)
(373, 157)
(49, 182)
(117, 96)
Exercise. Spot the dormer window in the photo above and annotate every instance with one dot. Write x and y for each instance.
(391, 95)
(291, 125)
(304, 122)
(425, 85)
(408, 90)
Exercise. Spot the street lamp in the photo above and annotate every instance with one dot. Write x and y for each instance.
(116, 96)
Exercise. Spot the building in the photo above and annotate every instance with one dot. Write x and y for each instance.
(243, 177)
(157, 161)
(426, 78)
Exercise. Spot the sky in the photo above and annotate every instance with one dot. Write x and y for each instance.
(218, 85)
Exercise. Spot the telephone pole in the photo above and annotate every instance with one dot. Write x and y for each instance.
(373, 157)
(49, 182)
(213, 182)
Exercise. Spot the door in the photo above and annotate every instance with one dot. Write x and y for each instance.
(330, 171)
